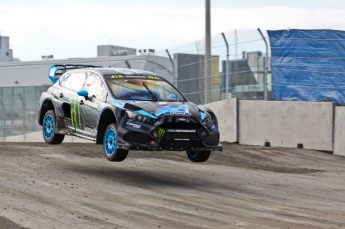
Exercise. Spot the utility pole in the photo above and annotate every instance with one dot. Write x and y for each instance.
(227, 69)
(208, 61)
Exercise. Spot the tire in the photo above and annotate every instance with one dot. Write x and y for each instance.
(48, 129)
(200, 156)
(110, 143)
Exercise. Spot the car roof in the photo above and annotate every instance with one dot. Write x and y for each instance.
(123, 71)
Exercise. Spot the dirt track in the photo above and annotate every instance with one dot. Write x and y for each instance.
(74, 186)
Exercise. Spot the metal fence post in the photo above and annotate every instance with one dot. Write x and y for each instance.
(3, 105)
(227, 69)
(23, 115)
(266, 65)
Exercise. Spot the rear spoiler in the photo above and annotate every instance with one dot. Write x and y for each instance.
(57, 70)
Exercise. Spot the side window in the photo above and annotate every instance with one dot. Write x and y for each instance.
(95, 87)
(73, 81)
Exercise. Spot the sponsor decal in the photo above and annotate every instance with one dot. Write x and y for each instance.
(90, 130)
(153, 77)
(182, 119)
(117, 77)
(128, 76)
(133, 125)
(213, 127)
(75, 113)
(177, 113)
(161, 133)
(180, 131)
(181, 139)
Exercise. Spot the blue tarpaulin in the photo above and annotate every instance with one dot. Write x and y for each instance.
(308, 65)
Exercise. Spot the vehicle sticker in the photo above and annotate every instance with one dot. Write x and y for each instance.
(75, 113)
(177, 113)
(180, 131)
(161, 132)
(133, 125)
(153, 77)
(117, 76)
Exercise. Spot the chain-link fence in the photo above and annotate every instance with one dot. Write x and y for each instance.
(248, 62)
(18, 110)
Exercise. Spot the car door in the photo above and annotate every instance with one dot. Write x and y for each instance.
(71, 83)
(91, 105)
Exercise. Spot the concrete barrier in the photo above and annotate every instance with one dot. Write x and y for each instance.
(226, 112)
(38, 137)
(339, 131)
(286, 124)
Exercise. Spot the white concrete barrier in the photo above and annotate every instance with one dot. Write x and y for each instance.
(226, 112)
(286, 124)
(38, 137)
(339, 131)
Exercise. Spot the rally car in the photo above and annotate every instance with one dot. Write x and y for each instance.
(125, 109)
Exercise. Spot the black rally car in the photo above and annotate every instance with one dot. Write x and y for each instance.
(125, 109)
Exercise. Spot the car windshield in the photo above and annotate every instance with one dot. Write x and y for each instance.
(144, 89)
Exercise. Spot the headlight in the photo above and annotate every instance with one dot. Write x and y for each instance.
(207, 119)
(140, 117)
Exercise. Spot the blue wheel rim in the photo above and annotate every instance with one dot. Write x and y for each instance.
(48, 127)
(110, 142)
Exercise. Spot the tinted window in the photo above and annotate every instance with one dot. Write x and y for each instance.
(94, 85)
(144, 89)
(73, 81)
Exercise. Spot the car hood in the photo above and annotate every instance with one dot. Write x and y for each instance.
(164, 108)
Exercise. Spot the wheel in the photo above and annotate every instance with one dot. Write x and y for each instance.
(48, 129)
(200, 156)
(110, 143)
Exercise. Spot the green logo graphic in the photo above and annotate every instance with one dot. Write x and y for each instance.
(161, 132)
(75, 113)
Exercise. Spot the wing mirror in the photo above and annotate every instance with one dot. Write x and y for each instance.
(83, 93)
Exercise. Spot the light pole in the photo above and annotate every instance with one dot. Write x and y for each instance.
(208, 61)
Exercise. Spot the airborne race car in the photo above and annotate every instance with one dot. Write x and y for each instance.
(125, 109)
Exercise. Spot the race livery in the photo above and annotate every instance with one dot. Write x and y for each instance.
(125, 109)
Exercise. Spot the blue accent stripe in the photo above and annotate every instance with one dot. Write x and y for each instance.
(145, 113)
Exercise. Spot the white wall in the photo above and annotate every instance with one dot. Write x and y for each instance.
(286, 124)
(226, 112)
(339, 131)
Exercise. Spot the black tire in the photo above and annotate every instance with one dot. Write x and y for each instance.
(198, 156)
(110, 143)
(48, 129)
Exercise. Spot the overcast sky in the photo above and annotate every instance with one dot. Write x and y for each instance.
(74, 28)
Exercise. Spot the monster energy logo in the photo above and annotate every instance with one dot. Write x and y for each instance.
(161, 133)
(75, 113)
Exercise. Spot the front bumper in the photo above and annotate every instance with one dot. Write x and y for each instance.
(218, 147)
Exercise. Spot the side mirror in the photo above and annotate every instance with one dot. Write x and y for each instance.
(83, 93)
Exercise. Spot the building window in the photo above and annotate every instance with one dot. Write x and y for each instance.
(7, 53)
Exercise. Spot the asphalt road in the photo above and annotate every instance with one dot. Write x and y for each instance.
(73, 186)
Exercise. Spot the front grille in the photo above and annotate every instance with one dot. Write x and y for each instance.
(181, 125)
(137, 138)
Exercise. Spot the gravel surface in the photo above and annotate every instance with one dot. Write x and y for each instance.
(72, 185)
